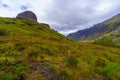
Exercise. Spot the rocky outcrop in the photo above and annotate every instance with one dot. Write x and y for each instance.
(45, 25)
(27, 15)
(31, 16)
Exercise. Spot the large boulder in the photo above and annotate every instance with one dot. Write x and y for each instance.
(27, 15)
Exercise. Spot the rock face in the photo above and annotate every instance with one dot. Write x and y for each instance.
(45, 25)
(27, 15)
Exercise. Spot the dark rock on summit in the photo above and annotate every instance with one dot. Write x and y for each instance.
(31, 16)
(27, 15)
(45, 25)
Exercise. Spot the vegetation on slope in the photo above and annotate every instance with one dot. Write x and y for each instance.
(111, 39)
(97, 31)
(28, 51)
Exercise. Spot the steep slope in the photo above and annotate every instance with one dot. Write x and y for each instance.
(97, 31)
(30, 51)
(111, 39)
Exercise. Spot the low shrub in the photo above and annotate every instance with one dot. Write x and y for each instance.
(105, 41)
(64, 75)
(71, 61)
(19, 46)
(109, 71)
(2, 31)
(32, 52)
(52, 68)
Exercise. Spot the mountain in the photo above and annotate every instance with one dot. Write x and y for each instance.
(32, 51)
(108, 27)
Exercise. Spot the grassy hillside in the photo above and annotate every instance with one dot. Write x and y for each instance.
(98, 31)
(111, 39)
(30, 51)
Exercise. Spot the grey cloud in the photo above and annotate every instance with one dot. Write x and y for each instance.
(3, 4)
(78, 14)
(24, 7)
(65, 16)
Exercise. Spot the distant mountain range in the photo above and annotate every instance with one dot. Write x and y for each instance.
(109, 28)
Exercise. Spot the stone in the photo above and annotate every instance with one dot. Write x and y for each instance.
(45, 25)
(27, 15)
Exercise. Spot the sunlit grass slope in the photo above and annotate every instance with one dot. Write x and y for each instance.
(23, 42)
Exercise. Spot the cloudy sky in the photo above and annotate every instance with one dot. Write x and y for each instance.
(65, 16)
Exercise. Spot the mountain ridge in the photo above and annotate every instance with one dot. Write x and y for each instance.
(98, 30)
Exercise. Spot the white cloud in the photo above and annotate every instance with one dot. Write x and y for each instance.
(65, 16)
(37, 6)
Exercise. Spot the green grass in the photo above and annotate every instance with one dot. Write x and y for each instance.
(23, 41)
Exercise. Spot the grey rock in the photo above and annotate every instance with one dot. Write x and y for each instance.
(45, 25)
(27, 15)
